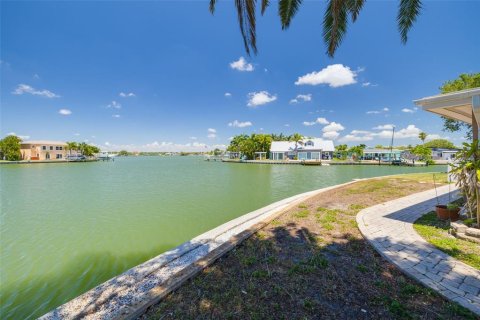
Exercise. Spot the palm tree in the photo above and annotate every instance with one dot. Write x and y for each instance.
(422, 136)
(71, 146)
(335, 19)
(297, 138)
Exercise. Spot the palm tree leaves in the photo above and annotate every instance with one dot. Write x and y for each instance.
(265, 4)
(335, 19)
(335, 23)
(287, 10)
(355, 6)
(407, 15)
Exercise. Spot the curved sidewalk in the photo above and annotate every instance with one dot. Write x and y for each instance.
(389, 228)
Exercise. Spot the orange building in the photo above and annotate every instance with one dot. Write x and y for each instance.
(43, 150)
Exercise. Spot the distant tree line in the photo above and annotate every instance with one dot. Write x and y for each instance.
(247, 145)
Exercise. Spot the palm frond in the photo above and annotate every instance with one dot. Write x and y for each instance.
(211, 7)
(335, 24)
(287, 10)
(246, 20)
(265, 4)
(407, 14)
(355, 6)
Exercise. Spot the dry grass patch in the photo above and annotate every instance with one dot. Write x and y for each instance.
(309, 267)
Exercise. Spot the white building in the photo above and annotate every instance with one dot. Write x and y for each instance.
(307, 149)
(444, 154)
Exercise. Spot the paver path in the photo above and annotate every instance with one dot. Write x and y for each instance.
(389, 228)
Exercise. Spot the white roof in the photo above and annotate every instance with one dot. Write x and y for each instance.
(456, 105)
(44, 142)
(318, 144)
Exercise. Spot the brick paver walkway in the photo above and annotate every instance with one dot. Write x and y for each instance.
(388, 227)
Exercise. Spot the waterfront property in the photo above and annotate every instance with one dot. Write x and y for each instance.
(443, 154)
(307, 149)
(382, 154)
(43, 150)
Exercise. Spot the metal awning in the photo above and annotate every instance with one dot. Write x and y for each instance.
(456, 105)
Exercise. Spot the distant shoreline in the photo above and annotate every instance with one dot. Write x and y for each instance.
(45, 161)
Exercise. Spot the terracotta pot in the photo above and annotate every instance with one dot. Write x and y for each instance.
(443, 213)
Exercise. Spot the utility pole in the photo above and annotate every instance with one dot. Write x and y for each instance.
(391, 144)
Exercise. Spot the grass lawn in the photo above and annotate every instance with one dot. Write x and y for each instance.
(312, 262)
(435, 231)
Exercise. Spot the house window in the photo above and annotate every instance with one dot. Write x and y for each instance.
(51, 148)
(309, 143)
(58, 148)
(59, 156)
(44, 147)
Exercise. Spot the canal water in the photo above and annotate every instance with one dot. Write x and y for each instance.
(66, 228)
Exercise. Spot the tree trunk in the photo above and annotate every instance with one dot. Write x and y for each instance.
(475, 158)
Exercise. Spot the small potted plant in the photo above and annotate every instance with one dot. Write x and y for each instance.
(449, 211)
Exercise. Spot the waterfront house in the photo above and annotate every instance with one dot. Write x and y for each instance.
(382, 154)
(443, 154)
(43, 150)
(307, 149)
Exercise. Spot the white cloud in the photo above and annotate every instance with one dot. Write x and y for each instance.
(411, 131)
(333, 126)
(384, 127)
(116, 116)
(115, 105)
(369, 84)
(355, 138)
(260, 98)
(287, 125)
(322, 121)
(317, 121)
(17, 135)
(212, 133)
(242, 65)
(332, 130)
(126, 95)
(107, 143)
(23, 88)
(228, 94)
(383, 110)
(435, 136)
(332, 135)
(65, 112)
(407, 110)
(335, 75)
(193, 138)
(76, 134)
(238, 124)
(360, 132)
(302, 98)
(36, 76)
(164, 146)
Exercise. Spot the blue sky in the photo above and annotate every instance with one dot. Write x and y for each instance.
(167, 75)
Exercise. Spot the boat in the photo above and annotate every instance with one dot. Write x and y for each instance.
(105, 155)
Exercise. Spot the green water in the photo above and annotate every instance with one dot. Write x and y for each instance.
(67, 227)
